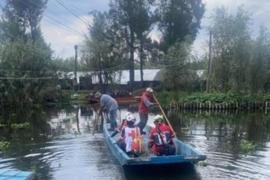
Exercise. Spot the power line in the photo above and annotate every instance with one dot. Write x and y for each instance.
(71, 12)
(56, 20)
(75, 8)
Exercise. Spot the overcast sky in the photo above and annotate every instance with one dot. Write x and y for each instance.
(62, 29)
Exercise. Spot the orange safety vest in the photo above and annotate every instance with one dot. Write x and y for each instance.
(134, 140)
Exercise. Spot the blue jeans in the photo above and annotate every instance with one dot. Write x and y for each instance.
(112, 118)
(143, 121)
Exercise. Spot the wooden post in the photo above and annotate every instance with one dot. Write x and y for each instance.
(209, 63)
(75, 68)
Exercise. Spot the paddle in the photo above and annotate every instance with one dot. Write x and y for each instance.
(164, 114)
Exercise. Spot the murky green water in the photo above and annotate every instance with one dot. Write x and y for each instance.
(237, 147)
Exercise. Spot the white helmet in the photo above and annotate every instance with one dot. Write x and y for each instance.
(149, 90)
(158, 118)
(127, 114)
(130, 117)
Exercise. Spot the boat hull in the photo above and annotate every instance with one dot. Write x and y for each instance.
(185, 154)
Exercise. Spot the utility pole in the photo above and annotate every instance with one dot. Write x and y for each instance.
(76, 64)
(209, 63)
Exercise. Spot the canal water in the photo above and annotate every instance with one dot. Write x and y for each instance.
(72, 147)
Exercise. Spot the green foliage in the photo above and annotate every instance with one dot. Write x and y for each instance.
(66, 65)
(247, 146)
(21, 20)
(25, 125)
(102, 50)
(177, 19)
(4, 145)
(80, 97)
(177, 70)
(26, 70)
(239, 63)
(27, 73)
(166, 97)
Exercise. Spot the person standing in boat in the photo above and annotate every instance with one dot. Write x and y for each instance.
(161, 138)
(109, 105)
(146, 102)
(131, 141)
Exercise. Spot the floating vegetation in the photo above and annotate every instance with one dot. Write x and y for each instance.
(247, 146)
(25, 125)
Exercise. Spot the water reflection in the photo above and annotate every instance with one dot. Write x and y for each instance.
(221, 135)
(68, 144)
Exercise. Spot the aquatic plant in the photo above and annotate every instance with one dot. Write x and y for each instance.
(4, 145)
(247, 146)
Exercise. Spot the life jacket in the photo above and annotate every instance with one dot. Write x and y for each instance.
(133, 140)
(161, 135)
(161, 139)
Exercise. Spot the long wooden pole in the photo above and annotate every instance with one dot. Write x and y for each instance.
(164, 114)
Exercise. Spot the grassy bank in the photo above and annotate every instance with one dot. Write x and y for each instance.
(166, 97)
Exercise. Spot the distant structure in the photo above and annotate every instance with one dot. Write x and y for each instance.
(89, 80)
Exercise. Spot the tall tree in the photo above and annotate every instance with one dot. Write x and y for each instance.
(231, 41)
(133, 16)
(177, 19)
(103, 48)
(145, 20)
(25, 57)
(177, 70)
(21, 19)
(259, 62)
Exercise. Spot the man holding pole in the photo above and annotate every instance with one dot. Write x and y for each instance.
(146, 102)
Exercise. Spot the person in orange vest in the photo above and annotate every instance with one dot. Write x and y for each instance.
(161, 138)
(131, 138)
(146, 102)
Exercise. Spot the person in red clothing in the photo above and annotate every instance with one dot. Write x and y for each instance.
(146, 102)
(130, 140)
(161, 138)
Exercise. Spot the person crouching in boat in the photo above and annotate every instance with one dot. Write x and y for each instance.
(161, 138)
(131, 140)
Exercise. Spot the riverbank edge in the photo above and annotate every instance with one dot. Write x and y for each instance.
(213, 101)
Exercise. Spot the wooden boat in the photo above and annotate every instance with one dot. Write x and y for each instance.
(184, 154)
(119, 99)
